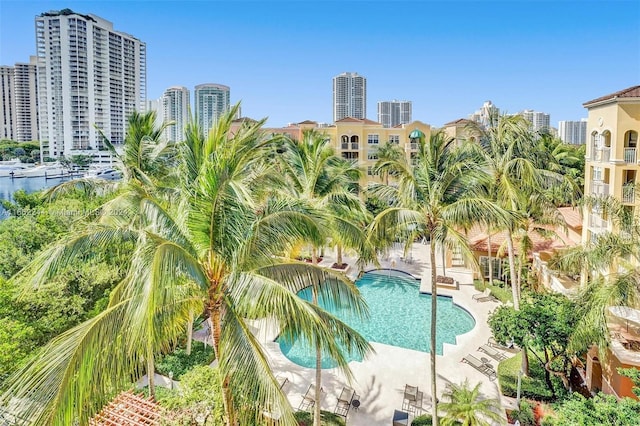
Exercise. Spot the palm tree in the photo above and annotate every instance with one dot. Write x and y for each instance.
(466, 407)
(609, 264)
(328, 183)
(387, 153)
(435, 197)
(216, 246)
(506, 152)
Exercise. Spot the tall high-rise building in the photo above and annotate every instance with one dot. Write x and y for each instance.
(539, 120)
(26, 98)
(486, 114)
(394, 113)
(212, 101)
(349, 96)
(89, 76)
(7, 103)
(175, 108)
(573, 132)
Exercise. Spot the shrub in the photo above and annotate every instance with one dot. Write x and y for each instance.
(305, 418)
(178, 362)
(426, 419)
(524, 414)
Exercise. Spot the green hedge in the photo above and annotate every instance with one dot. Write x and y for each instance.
(305, 418)
(426, 419)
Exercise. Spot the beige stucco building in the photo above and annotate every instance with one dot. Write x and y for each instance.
(612, 167)
(358, 139)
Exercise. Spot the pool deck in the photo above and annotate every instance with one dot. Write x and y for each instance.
(380, 379)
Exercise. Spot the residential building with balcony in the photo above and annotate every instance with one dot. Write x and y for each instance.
(176, 108)
(611, 169)
(573, 132)
(90, 77)
(7, 103)
(349, 96)
(211, 102)
(539, 120)
(357, 139)
(394, 113)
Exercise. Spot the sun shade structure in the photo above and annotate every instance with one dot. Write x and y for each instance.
(129, 409)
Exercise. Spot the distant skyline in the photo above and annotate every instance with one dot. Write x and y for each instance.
(279, 57)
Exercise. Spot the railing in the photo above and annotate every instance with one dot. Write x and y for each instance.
(628, 194)
(602, 154)
(344, 146)
(354, 146)
(599, 188)
(630, 155)
(414, 146)
(597, 222)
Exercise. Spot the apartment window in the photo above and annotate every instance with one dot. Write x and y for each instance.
(372, 139)
(372, 155)
(597, 173)
(394, 139)
(631, 139)
(496, 267)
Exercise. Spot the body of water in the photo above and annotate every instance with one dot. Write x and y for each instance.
(399, 315)
(9, 186)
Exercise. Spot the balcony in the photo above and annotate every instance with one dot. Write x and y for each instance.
(344, 146)
(597, 223)
(599, 188)
(354, 146)
(414, 146)
(628, 194)
(624, 325)
(630, 155)
(601, 154)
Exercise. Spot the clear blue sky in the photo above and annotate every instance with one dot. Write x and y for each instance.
(447, 57)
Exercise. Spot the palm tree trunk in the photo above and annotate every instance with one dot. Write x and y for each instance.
(216, 331)
(444, 262)
(489, 256)
(314, 300)
(339, 254)
(189, 332)
(151, 371)
(432, 345)
(512, 269)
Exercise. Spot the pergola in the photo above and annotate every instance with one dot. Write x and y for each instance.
(129, 409)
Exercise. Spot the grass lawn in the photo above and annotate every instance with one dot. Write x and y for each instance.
(500, 290)
(533, 386)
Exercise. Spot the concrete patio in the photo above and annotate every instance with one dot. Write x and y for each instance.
(380, 379)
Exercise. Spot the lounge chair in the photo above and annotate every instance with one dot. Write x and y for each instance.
(309, 398)
(492, 352)
(282, 381)
(344, 402)
(485, 293)
(482, 367)
(494, 344)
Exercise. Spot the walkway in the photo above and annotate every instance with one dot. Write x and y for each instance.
(380, 379)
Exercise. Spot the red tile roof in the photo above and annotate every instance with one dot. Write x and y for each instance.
(572, 216)
(129, 409)
(631, 92)
(458, 121)
(356, 120)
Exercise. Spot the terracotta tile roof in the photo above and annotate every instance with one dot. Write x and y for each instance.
(308, 122)
(478, 241)
(572, 216)
(129, 409)
(458, 121)
(356, 120)
(631, 92)
(244, 119)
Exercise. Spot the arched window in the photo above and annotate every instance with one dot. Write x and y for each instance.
(344, 142)
(606, 136)
(595, 140)
(631, 139)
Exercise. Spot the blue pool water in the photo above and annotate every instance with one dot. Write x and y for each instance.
(399, 316)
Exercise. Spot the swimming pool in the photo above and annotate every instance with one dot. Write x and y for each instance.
(399, 316)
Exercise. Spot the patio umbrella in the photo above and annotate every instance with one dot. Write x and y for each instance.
(626, 313)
